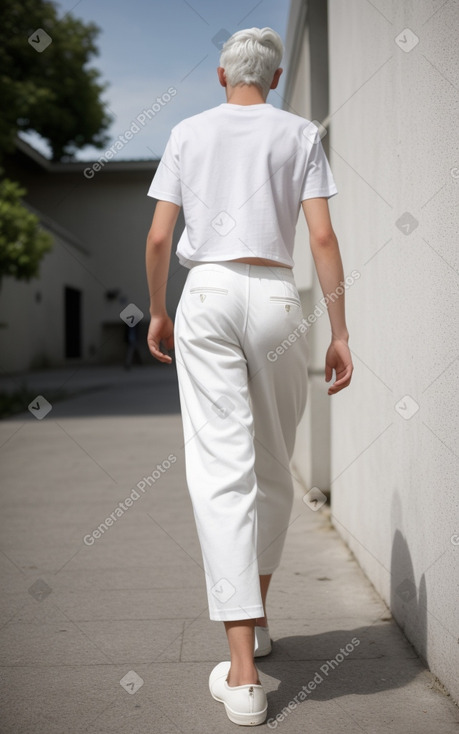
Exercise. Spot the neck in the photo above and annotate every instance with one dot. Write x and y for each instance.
(244, 94)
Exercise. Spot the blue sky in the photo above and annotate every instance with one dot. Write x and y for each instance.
(148, 46)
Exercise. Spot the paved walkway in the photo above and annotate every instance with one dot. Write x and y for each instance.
(108, 631)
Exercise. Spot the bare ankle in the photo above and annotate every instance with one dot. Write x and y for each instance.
(242, 676)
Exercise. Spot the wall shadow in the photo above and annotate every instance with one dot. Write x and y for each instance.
(408, 600)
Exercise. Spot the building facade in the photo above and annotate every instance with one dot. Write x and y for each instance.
(99, 220)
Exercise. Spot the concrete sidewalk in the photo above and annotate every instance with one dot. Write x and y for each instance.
(108, 631)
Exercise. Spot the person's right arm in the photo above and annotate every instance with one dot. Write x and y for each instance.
(329, 267)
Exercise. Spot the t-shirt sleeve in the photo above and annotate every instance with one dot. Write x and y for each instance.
(318, 179)
(166, 184)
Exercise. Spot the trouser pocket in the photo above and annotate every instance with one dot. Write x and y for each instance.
(209, 289)
(286, 301)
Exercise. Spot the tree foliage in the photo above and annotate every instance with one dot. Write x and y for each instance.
(55, 92)
(22, 242)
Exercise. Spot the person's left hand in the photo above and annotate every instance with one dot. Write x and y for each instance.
(161, 329)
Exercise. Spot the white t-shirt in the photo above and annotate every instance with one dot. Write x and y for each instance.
(241, 172)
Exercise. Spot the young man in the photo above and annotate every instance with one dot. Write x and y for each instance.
(241, 171)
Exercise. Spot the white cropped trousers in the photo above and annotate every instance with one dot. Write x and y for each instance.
(241, 353)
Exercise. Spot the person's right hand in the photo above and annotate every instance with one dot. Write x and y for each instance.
(338, 358)
(161, 329)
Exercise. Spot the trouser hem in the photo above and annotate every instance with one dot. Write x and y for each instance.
(236, 614)
(267, 572)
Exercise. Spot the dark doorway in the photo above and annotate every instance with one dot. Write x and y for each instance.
(72, 298)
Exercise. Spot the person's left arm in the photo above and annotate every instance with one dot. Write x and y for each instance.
(157, 258)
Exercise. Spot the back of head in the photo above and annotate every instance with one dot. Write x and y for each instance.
(252, 56)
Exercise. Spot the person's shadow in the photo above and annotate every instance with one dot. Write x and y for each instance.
(361, 660)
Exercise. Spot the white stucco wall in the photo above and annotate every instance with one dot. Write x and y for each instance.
(311, 458)
(394, 154)
(32, 313)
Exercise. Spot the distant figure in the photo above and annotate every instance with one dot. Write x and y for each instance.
(132, 340)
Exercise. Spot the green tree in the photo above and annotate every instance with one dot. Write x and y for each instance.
(22, 242)
(54, 92)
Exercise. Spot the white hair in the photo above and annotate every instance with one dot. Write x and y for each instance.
(252, 56)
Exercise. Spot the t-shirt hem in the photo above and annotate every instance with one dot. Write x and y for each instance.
(266, 256)
(319, 193)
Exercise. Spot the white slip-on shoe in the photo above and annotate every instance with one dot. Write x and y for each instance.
(263, 645)
(244, 705)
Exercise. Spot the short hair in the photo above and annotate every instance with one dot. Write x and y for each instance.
(251, 56)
